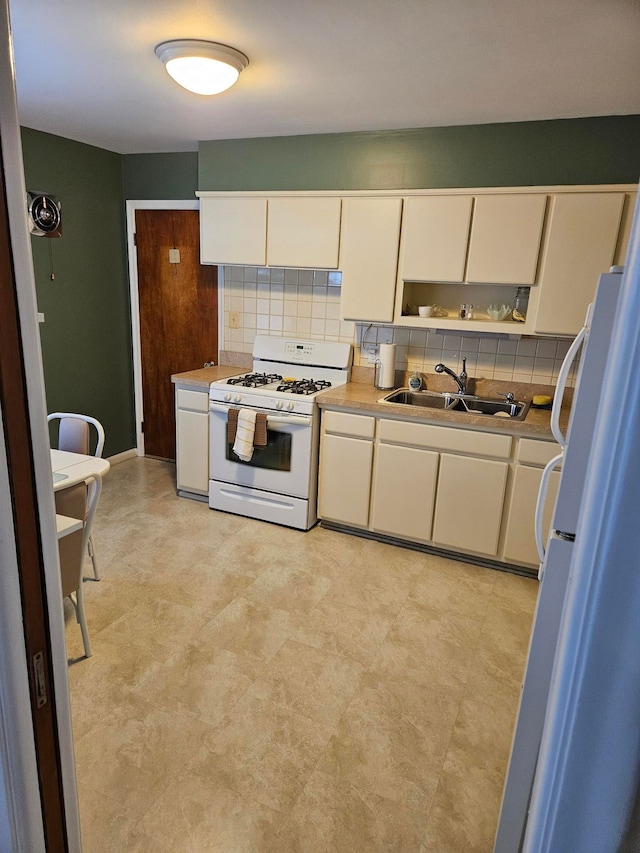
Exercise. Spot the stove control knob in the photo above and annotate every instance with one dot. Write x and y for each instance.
(279, 404)
(237, 398)
(291, 406)
(227, 397)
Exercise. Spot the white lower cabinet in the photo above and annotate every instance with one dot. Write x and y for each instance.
(346, 459)
(520, 543)
(463, 490)
(192, 441)
(345, 479)
(404, 491)
(469, 505)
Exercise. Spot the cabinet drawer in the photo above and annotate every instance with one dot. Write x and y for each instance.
(445, 438)
(196, 401)
(532, 452)
(359, 426)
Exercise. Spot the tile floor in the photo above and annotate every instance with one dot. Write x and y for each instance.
(254, 688)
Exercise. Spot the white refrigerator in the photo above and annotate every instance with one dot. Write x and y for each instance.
(576, 699)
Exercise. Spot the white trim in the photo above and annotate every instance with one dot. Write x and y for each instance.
(131, 207)
(561, 188)
(122, 457)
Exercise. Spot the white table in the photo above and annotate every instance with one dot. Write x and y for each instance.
(69, 469)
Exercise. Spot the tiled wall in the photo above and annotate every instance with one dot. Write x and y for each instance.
(302, 303)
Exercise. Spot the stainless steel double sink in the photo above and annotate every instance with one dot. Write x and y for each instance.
(467, 403)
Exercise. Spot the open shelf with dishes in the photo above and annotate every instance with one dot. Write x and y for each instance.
(445, 301)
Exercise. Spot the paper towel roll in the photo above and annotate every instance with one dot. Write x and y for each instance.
(386, 370)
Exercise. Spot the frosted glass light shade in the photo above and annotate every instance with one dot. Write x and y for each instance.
(203, 67)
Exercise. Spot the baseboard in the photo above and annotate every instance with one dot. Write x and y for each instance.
(122, 457)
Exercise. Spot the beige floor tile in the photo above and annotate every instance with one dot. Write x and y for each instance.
(482, 735)
(343, 630)
(195, 815)
(332, 816)
(372, 588)
(516, 592)
(464, 813)
(106, 825)
(262, 751)
(250, 679)
(199, 680)
(454, 587)
(392, 741)
(135, 753)
(308, 681)
(154, 628)
(288, 588)
(254, 632)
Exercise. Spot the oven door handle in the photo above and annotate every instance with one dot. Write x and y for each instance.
(272, 419)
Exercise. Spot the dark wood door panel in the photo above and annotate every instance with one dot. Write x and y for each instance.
(178, 315)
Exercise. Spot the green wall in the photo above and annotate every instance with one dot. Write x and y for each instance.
(567, 151)
(160, 176)
(86, 336)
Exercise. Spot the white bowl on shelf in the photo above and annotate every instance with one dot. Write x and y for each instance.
(499, 312)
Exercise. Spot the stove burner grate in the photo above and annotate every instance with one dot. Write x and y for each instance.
(254, 380)
(304, 386)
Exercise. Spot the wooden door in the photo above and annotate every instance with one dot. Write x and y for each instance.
(178, 316)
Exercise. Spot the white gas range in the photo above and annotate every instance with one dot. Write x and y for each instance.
(279, 483)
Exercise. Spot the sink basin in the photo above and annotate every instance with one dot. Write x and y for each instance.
(490, 406)
(420, 398)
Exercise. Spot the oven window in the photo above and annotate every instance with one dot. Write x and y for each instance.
(275, 455)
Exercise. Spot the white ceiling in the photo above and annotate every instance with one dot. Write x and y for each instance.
(86, 69)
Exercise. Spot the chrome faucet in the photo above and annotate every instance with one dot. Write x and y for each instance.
(461, 380)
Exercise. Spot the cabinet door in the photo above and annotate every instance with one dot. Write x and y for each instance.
(520, 543)
(345, 479)
(581, 243)
(304, 232)
(369, 258)
(192, 451)
(469, 503)
(404, 487)
(505, 238)
(435, 234)
(233, 231)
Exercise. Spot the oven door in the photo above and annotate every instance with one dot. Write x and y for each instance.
(283, 466)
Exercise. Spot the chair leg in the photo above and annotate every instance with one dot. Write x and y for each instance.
(94, 562)
(82, 620)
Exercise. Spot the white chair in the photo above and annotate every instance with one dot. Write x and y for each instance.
(73, 436)
(72, 502)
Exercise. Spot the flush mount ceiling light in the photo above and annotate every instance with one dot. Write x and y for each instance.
(203, 67)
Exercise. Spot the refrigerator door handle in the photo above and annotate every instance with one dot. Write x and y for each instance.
(542, 499)
(570, 357)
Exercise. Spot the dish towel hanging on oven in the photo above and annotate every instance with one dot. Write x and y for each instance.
(246, 429)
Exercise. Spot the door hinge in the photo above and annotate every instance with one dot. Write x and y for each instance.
(141, 426)
(39, 679)
(135, 239)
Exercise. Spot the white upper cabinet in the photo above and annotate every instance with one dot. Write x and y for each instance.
(369, 258)
(435, 234)
(581, 244)
(505, 238)
(304, 232)
(233, 231)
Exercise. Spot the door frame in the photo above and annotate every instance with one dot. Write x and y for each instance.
(132, 206)
(23, 791)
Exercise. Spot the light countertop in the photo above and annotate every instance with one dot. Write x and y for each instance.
(360, 396)
(204, 376)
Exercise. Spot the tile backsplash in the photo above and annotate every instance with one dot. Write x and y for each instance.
(306, 304)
